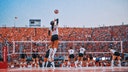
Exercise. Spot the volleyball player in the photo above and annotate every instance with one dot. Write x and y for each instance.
(23, 57)
(91, 62)
(40, 60)
(53, 31)
(85, 61)
(47, 56)
(71, 56)
(35, 57)
(115, 55)
(80, 58)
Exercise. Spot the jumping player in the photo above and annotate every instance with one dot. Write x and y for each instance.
(115, 55)
(53, 31)
(71, 56)
(80, 58)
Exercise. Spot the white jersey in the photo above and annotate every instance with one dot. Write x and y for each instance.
(112, 50)
(82, 50)
(55, 30)
(71, 51)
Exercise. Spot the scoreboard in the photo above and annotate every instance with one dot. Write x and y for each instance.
(35, 23)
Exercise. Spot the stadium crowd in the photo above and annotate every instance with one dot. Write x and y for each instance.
(110, 33)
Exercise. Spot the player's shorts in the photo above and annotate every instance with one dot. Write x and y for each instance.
(47, 55)
(23, 56)
(66, 60)
(34, 56)
(81, 55)
(117, 54)
(91, 58)
(71, 56)
(54, 37)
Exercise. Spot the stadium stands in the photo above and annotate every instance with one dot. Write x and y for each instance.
(110, 33)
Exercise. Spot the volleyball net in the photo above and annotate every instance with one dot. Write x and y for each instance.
(96, 48)
(92, 47)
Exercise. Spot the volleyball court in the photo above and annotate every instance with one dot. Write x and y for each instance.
(84, 69)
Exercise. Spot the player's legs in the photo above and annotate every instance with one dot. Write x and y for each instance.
(113, 58)
(119, 62)
(68, 64)
(45, 61)
(37, 62)
(54, 46)
(71, 58)
(81, 61)
(21, 62)
(77, 61)
(24, 60)
(51, 57)
(79, 58)
(33, 63)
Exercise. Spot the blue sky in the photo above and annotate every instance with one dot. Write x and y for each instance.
(72, 13)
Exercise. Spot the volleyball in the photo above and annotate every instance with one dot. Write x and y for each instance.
(56, 11)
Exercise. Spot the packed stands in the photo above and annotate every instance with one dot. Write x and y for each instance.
(110, 33)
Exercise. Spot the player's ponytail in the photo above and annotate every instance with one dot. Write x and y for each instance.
(49, 32)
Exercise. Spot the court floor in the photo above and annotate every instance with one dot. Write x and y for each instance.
(72, 69)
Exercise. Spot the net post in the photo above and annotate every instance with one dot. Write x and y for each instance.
(4, 64)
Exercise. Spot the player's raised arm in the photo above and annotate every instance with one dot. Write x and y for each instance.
(57, 21)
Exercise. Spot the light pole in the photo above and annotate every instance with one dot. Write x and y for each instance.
(15, 20)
